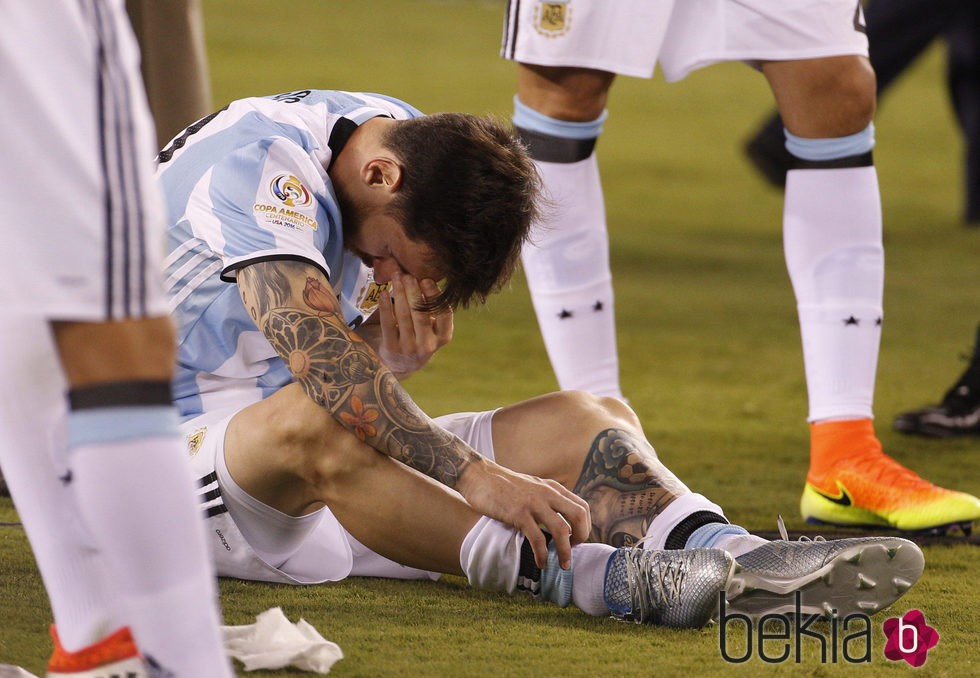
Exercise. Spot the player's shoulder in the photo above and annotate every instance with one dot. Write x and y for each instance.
(303, 118)
(356, 106)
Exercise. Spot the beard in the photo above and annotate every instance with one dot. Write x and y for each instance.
(348, 214)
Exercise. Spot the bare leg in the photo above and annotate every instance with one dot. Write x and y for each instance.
(390, 508)
(823, 98)
(596, 448)
(573, 94)
(142, 349)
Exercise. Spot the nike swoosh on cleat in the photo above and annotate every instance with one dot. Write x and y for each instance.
(844, 499)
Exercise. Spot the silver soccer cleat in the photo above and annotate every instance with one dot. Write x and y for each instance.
(670, 588)
(834, 578)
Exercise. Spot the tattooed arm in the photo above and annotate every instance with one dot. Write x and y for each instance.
(292, 303)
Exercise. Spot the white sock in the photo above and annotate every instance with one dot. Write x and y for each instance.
(136, 496)
(491, 558)
(491, 555)
(732, 538)
(676, 511)
(834, 255)
(589, 578)
(32, 438)
(566, 264)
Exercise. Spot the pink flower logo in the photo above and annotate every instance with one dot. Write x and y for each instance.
(909, 638)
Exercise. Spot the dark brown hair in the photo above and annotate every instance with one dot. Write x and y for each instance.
(470, 192)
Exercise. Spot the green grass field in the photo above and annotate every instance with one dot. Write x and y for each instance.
(708, 338)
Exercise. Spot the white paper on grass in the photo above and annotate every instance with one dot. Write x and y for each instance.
(273, 642)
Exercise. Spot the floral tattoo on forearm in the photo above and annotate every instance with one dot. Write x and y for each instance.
(626, 486)
(300, 317)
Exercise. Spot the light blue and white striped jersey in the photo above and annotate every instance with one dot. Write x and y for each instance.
(246, 184)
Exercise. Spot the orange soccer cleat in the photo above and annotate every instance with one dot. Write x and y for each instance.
(115, 656)
(853, 483)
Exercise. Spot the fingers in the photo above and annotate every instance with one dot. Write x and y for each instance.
(443, 320)
(405, 294)
(577, 515)
(386, 313)
(539, 544)
(560, 534)
(418, 332)
(568, 521)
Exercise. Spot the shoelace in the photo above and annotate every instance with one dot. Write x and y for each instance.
(660, 586)
(785, 535)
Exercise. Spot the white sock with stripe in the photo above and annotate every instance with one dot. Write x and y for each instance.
(134, 491)
(832, 236)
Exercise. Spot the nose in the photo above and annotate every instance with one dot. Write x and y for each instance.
(384, 269)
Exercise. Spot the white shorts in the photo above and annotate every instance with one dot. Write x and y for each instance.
(629, 37)
(82, 223)
(328, 552)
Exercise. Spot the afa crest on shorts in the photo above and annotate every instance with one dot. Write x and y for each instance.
(553, 19)
(194, 440)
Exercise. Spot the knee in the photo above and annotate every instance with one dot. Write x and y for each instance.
(309, 442)
(564, 93)
(596, 413)
(855, 91)
(824, 98)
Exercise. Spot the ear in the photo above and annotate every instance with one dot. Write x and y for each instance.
(382, 172)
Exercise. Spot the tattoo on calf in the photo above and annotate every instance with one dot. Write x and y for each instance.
(625, 485)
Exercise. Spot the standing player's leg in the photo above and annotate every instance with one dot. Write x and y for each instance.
(174, 62)
(123, 443)
(32, 395)
(559, 113)
(568, 55)
(898, 32)
(90, 264)
(834, 254)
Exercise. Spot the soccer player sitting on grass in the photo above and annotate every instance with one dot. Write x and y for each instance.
(318, 243)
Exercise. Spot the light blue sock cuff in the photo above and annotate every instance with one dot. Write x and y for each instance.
(527, 118)
(818, 150)
(116, 424)
(556, 583)
(705, 536)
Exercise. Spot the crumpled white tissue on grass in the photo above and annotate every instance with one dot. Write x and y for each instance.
(273, 642)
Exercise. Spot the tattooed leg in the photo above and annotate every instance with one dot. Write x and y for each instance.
(595, 447)
(625, 485)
